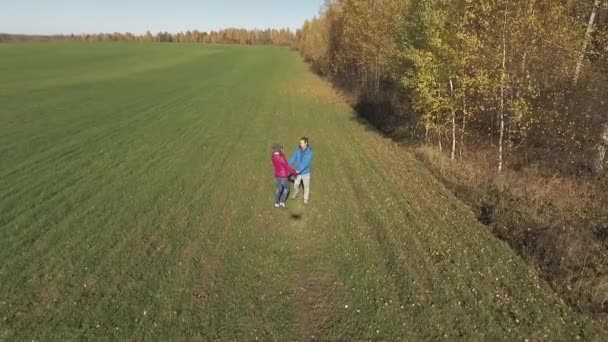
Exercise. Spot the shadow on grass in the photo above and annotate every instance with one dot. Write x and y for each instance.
(379, 116)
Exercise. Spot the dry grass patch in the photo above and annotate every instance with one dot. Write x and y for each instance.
(552, 221)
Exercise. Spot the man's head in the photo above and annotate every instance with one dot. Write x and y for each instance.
(303, 143)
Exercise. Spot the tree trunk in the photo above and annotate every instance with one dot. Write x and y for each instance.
(598, 165)
(464, 125)
(502, 93)
(600, 159)
(453, 154)
(440, 146)
(509, 122)
(492, 124)
(581, 55)
(377, 80)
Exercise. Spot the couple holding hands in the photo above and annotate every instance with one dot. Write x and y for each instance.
(301, 159)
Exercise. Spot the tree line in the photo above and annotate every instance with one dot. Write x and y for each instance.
(523, 77)
(225, 36)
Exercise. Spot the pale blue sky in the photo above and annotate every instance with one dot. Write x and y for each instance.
(89, 16)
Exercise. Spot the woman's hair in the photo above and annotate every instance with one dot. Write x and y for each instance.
(276, 147)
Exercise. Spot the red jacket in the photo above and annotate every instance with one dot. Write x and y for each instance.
(281, 167)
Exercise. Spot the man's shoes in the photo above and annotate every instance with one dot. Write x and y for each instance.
(276, 205)
(305, 201)
(282, 205)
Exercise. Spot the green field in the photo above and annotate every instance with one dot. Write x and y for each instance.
(136, 203)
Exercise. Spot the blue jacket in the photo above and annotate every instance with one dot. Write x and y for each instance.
(302, 160)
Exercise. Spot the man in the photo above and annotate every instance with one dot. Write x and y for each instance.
(302, 160)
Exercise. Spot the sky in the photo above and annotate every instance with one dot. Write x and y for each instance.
(138, 16)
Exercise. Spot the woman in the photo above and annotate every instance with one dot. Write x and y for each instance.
(282, 170)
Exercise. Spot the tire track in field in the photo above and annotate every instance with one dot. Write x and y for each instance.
(352, 191)
(409, 236)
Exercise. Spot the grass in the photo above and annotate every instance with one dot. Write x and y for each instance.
(136, 200)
